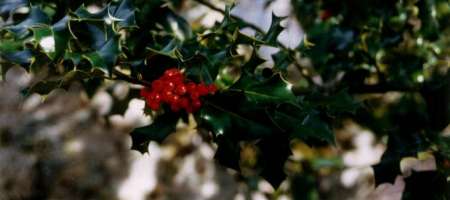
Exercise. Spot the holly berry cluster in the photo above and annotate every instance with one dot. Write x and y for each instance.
(173, 89)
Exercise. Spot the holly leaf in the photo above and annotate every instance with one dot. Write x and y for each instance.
(36, 17)
(399, 145)
(341, 102)
(274, 153)
(123, 15)
(105, 57)
(170, 49)
(338, 103)
(271, 90)
(21, 57)
(251, 65)
(387, 170)
(228, 152)
(304, 187)
(8, 6)
(281, 60)
(157, 131)
(223, 120)
(177, 26)
(426, 185)
(303, 123)
(56, 35)
(118, 16)
(275, 29)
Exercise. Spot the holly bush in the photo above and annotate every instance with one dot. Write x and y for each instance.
(352, 52)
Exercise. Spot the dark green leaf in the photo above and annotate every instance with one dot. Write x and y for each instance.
(228, 152)
(271, 37)
(253, 63)
(303, 123)
(105, 57)
(272, 90)
(118, 16)
(399, 145)
(282, 60)
(426, 185)
(8, 6)
(275, 151)
(157, 131)
(59, 33)
(169, 50)
(124, 14)
(36, 17)
(224, 121)
(20, 57)
(304, 187)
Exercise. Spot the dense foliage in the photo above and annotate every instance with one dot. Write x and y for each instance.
(352, 48)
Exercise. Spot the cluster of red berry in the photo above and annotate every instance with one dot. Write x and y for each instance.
(174, 90)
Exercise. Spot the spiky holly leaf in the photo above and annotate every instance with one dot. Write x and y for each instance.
(426, 185)
(8, 6)
(22, 57)
(282, 60)
(303, 123)
(400, 145)
(118, 16)
(105, 57)
(221, 119)
(228, 152)
(259, 90)
(36, 17)
(271, 37)
(251, 65)
(56, 37)
(275, 151)
(157, 131)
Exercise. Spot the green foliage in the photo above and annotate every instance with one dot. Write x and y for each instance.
(157, 131)
(352, 47)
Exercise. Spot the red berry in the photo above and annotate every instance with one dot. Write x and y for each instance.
(175, 107)
(195, 95)
(157, 97)
(181, 90)
(325, 14)
(144, 92)
(178, 79)
(202, 89)
(212, 88)
(172, 72)
(174, 99)
(172, 89)
(154, 105)
(189, 109)
(196, 104)
(191, 87)
(170, 86)
(184, 102)
(157, 85)
(166, 96)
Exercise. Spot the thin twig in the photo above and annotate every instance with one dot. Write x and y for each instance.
(383, 88)
(124, 77)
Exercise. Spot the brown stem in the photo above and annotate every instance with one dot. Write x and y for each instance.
(124, 77)
(383, 88)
